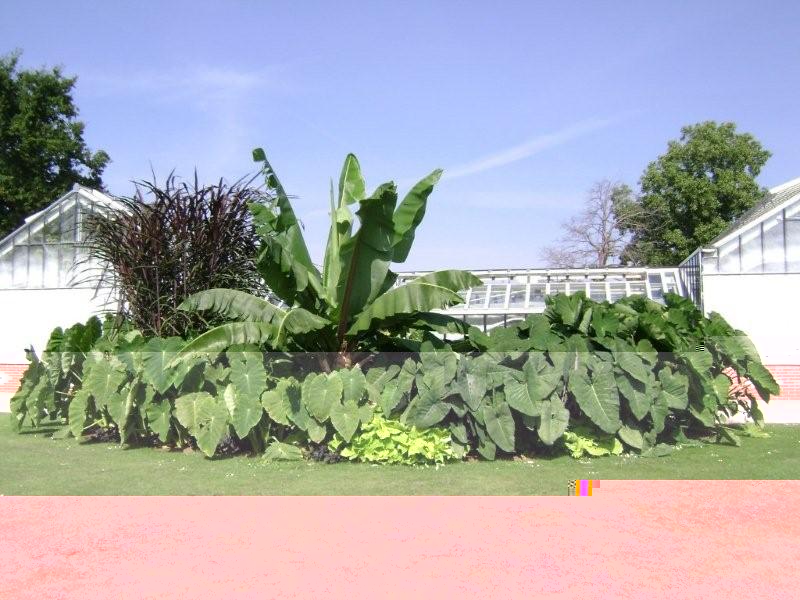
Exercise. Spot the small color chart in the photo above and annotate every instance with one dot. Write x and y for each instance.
(582, 487)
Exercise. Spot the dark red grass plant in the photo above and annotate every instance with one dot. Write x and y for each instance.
(167, 242)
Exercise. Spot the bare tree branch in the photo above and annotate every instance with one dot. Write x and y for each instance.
(597, 236)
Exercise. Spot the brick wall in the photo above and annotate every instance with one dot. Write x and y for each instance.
(788, 377)
(10, 376)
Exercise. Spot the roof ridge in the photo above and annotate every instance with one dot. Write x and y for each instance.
(784, 186)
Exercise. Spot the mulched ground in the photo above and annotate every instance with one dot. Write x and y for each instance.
(632, 539)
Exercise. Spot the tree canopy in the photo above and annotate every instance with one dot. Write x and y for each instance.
(689, 195)
(42, 151)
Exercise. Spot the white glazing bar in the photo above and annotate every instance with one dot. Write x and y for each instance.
(508, 294)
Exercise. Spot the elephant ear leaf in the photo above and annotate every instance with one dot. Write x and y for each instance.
(345, 418)
(674, 388)
(248, 375)
(553, 421)
(205, 418)
(409, 215)
(282, 451)
(500, 424)
(244, 409)
(597, 397)
(763, 380)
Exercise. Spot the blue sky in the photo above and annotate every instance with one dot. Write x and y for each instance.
(524, 104)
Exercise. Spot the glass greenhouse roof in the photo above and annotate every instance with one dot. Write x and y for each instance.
(509, 295)
(48, 251)
(766, 239)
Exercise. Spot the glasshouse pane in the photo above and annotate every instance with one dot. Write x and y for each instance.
(751, 251)
(51, 267)
(5, 270)
(656, 287)
(51, 230)
(616, 290)
(637, 287)
(537, 296)
(773, 246)
(793, 245)
(68, 225)
(557, 287)
(729, 257)
(32, 234)
(36, 266)
(66, 265)
(478, 298)
(20, 266)
(498, 298)
(517, 298)
(597, 290)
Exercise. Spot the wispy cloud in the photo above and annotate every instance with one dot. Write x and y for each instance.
(197, 83)
(529, 148)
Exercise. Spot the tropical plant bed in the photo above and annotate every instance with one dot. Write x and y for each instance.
(349, 364)
(34, 464)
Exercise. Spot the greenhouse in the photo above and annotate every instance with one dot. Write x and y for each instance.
(509, 295)
(46, 276)
(46, 252)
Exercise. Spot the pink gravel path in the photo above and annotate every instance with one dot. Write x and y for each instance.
(653, 539)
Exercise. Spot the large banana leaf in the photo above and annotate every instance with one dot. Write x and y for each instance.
(352, 188)
(269, 322)
(287, 255)
(233, 304)
(409, 215)
(365, 257)
(223, 337)
(429, 292)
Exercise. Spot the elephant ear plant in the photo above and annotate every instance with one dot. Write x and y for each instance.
(352, 304)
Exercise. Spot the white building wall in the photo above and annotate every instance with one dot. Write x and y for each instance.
(28, 316)
(765, 306)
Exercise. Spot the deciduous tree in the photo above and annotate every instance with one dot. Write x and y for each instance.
(42, 151)
(689, 195)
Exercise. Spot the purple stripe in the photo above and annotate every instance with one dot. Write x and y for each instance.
(584, 487)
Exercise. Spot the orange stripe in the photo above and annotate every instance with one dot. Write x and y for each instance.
(590, 487)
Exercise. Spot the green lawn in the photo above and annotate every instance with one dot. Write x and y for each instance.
(34, 464)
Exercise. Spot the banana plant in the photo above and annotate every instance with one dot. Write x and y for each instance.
(352, 303)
